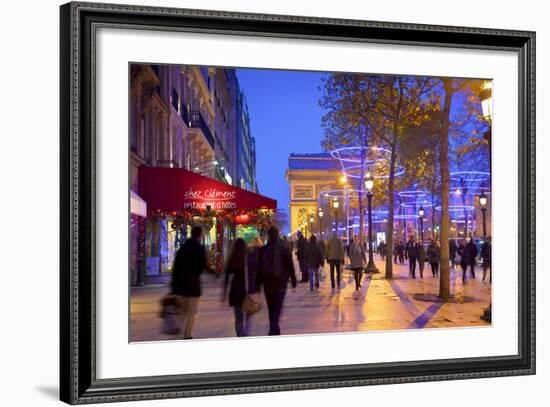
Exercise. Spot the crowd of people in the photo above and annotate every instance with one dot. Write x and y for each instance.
(256, 266)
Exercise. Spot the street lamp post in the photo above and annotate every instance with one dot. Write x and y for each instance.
(483, 204)
(369, 184)
(311, 220)
(335, 206)
(421, 215)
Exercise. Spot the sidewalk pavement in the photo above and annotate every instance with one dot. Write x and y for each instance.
(381, 304)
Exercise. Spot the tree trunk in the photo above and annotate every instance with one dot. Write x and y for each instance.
(445, 274)
(391, 205)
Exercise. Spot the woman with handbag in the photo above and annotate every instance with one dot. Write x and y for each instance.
(357, 260)
(242, 265)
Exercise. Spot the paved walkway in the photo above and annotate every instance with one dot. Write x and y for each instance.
(381, 304)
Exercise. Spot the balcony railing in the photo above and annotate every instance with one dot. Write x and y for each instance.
(197, 121)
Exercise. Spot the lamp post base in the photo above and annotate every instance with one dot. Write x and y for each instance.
(371, 268)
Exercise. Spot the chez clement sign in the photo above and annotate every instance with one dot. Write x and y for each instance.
(173, 189)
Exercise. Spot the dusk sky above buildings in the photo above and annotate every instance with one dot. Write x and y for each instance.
(285, 118)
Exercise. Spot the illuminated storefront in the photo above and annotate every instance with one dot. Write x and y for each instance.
(178, 199)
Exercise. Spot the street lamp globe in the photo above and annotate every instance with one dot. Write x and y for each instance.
(344, 179)
(421, 211)
(335, 204)
(311, 220)
(320, 213)
(483, 200)
(369, 182)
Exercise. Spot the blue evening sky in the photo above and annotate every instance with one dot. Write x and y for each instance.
(285, 118)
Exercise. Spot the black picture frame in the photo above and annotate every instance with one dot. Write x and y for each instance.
(78, 382)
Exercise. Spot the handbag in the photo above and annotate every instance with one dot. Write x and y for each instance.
(251, 304)
(169, 314)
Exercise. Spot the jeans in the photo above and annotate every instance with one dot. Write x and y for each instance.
(313, 274)
(435, 268)
(335, 266)
(242, 322)
(412, 266)
(187, 309)
(274, 301)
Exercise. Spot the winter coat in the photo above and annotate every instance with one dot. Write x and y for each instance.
(275, 267)
(411, 249)
(301, 247)
(335, 249)
(486, 252)
(314, 258)
(470, 252)
(356, 256)
(237, 292)
(189, 263)
(433, 254)
(452, 248)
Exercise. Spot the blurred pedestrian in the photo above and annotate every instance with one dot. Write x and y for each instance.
(190, 262)
(382, 249)
(323, 248)
(433, 255)
(470, 253)
(411, 249)
(335, 258)
(357, 260)
(453, 250)
(421, 257)
(236, 269)
(486, 256)
(301, 256)
(461, 252)
(274, 270)
(314, 259)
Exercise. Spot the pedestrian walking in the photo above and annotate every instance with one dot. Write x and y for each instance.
(382, 249)
(421, 257)
(357, 260)
(470, 253)
(453, 250)
(461, 252)
(301, 256)
(411, 249)
(401, 252)
(323, 249)
(236, 269)
(433, 256)
(335, 258)
(274, 270)
(189, 263)
(486, 256)
(314, 259)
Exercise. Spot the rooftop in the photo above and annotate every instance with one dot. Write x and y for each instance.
(312, 161)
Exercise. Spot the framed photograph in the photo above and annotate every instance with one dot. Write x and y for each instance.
(254, 203)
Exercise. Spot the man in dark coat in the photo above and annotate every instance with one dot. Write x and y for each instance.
(470, 254)
(301, 256)
(190, 262)
(421, 257)
(314, 260)
(411, 251)
(452, 251)
(274, 270)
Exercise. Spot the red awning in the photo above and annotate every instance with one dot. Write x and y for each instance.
(176, 189)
